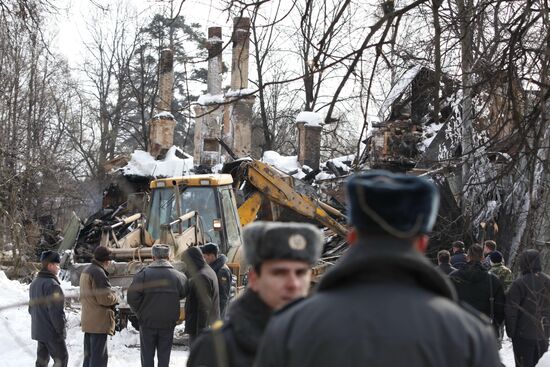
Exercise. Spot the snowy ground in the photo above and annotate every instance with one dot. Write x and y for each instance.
(17, 348)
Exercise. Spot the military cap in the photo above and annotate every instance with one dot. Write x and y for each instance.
(381, 202)
(281, 241)
(210, 248)
(102, 253)
(160, 251)
(50, 256)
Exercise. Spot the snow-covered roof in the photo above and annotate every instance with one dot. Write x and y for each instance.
(397, 90)
(144, 164)
(310, 118)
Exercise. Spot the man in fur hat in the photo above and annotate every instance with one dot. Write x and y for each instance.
(154, 296)
(280, 256)
(48, 321)
(383, 303)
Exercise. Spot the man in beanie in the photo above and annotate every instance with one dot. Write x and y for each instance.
(98, 301)
(154, 296)
(218, 263)
(383, 303)
(202, 306)
(48, 322)
(280, 256)
(528, 311)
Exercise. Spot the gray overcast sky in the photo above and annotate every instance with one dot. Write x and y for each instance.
(70, 24)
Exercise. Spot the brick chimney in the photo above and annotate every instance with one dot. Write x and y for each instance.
(162, 125)
(309, 139)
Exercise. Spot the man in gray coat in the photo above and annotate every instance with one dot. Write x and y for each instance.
(154, 296)
(48, 322)
(383, 303)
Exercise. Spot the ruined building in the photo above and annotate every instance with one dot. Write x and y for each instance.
(225, 116)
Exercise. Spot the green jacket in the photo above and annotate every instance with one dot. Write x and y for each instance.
(504, 274)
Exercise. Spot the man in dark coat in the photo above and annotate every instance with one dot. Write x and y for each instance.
(528, 311)
(281, 256)
(458, 259)
(443, 258)
(217, 262)
(98, 300)
(154, 296)
(48, 322)
(383, 303)
(202, 306)
(479, 288)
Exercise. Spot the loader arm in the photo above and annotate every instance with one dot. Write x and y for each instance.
(265, 179)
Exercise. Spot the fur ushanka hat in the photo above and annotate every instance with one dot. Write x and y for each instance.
(282, 241)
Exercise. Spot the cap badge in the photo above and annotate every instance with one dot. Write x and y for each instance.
(297, 242)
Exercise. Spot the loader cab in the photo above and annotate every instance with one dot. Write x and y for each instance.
(210, 195)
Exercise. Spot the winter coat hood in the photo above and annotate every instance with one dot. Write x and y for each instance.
(530, 262)
(193, 257)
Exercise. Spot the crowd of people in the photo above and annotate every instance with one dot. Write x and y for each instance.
(383, 303)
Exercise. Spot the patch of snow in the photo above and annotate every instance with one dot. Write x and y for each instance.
(324, 176)
(397, 90)
(144, 164)
(429, 133)
(289, 165)
(310, 118)
(214, 40)
(240, 92)
(285, 164)
(207, 99)
(18, 349)
(217, 168)
(164, 115)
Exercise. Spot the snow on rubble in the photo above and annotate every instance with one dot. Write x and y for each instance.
(144, 164)
(289, 165)
(18, 349)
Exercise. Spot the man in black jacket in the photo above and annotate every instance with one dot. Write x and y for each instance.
(202, 306)
(281, 255)
(528, 311)
(479, 288)
(154, 297)
(218, 264)
(383, 303)
(48, 322)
